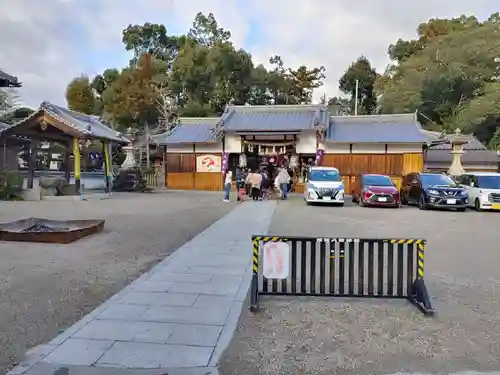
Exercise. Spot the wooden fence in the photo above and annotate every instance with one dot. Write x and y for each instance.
(154, 179)
(394, 165)
(181, 169)
(181, 174)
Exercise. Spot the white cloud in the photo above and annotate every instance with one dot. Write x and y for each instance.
(47, 43)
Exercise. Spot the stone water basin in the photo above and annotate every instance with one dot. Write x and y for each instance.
(49, 231)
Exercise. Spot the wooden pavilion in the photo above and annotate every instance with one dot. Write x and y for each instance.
(53, 123)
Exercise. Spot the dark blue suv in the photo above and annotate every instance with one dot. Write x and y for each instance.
(428, 190)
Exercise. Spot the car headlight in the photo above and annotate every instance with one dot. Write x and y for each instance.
(433, 192)
(341, 187)
(484, 196)
(312, 194)
(311, 186)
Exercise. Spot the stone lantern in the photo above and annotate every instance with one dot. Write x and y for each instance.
(457, 141)
(129, 150)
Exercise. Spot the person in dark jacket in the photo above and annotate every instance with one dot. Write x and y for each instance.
(240, 182)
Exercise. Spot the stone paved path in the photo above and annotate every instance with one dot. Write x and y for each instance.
(180, 315)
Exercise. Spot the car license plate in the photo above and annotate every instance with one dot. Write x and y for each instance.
(382, 199)
(451, 201)
(327, 198)
(495, 206)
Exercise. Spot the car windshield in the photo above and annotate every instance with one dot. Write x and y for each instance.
(377, 181)
(489, 182)
(437, 180)
(324, 175)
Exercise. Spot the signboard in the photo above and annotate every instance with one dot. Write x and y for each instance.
(276, 260)
(208, 163)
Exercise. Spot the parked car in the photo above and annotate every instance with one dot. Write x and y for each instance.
(375, 190)
(434, 190)
(483, 189)
(324, 185)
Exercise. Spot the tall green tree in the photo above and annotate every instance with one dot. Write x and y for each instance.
(303, 81)
(191, 78)
(153, 39)
(338, 106)
(148, 38)
(80, 95)
(279, 84)
(429, 31)
(206, 30)
(131, 99)
(494, 142)
(451, 79)
(259, 88)
(196, 74)
(102, 81)
(361, 72)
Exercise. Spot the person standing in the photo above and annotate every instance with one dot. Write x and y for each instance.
(248, 186)
(240, 183)
(283, 178)
(256, 182)
(291, 180)
(227, 185)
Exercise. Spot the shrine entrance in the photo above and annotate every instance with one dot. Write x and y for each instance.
(267, 152)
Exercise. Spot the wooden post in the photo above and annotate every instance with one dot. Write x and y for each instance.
(76, 164)
(194, 167)
(107, 165)
(67, 169)
(386, 160)
(165, 166)
(32, 162)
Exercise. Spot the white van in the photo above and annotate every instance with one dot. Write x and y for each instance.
(483, 189)
(324, 185)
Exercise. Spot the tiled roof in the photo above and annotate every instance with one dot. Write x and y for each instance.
(6, 80)
(472, 144)
(274, 117)
(86, 124)
(433, 136)
(190, 130)
(397, 128)
(470, 156)
(83, 125)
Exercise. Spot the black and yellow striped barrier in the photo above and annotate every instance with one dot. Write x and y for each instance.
(344, 267)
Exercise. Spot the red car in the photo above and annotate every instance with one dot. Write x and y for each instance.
(375, 190)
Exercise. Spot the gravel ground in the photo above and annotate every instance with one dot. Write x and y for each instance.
(346, 336)
(46, 288)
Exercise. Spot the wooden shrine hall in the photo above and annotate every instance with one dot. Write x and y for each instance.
(197, 149)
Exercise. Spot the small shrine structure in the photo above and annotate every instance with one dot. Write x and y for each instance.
(54, 123)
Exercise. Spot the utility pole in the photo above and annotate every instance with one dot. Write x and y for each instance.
(356, 98)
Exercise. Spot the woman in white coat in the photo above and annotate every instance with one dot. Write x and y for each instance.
(281, 181)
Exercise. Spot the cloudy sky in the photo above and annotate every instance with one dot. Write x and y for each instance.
(46, 43)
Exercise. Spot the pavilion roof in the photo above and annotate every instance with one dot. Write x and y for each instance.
(65, 121)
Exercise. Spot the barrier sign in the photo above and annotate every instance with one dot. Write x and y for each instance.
(276, 261)
(339, 267)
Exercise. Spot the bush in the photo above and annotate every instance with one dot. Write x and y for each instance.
(130, 179)
(11, 184)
